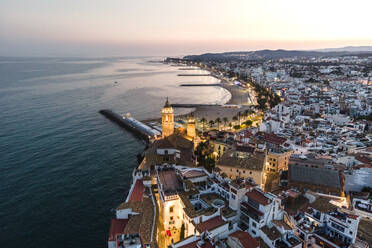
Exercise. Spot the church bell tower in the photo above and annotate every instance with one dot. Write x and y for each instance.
(190, 127)
(167, 119)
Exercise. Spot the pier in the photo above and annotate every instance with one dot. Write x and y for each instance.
(188, 69)
(193, 75)
(131, 124)
(192, 105)
(199, 85)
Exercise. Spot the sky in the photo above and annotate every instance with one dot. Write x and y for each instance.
(178, 27)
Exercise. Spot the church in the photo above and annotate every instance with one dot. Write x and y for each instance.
(176, 145)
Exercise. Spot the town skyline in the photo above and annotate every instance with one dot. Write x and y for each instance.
(122, 28)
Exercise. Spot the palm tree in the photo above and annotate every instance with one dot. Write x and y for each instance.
(235, 118)
(225, 120)
(218, 121)
(246, 113)
(211, 123)
(203, 121)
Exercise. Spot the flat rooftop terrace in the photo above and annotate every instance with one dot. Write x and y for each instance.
(170, 181)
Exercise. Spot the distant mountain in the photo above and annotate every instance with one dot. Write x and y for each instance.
(347, 49)
(280, 53)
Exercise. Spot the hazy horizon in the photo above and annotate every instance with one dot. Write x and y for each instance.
(175, 28)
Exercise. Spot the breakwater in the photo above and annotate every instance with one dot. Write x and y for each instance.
(131, 124)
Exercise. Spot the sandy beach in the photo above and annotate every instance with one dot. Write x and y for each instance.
(239, 97)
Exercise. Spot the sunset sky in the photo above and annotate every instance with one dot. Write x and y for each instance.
(177, 27)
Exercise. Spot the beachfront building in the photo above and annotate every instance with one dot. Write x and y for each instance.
(167, 119)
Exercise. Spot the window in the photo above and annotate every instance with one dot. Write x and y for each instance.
(233, 196)
(254, 224)
(244, 171)
(171, 209)
(250, 172)
(237, 170)
(253, 232)
(351, 233)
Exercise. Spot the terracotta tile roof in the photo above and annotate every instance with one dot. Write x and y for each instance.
(252, 209)
(253, 162)
(363, 158)
(210, 224)
(245, 239)
(195, 245)
(258, 197)
(142, 223)
(137, 193)
(191, 245)
(116, 228)
(271, 138)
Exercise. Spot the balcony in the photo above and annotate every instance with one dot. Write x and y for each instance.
(251, 212)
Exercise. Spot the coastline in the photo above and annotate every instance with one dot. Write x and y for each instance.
(237, 96)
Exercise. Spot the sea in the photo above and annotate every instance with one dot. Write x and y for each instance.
(64, 168)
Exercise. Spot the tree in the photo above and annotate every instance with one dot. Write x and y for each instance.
(211, 123)
(182, 232)
(236, 127)
(204, 156)
(218, 121)
(262, 104)
(225, 120)
(246, 113)
(248, 123)
(203, 121)
(235, 118)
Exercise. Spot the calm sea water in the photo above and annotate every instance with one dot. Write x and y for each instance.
(64, 167)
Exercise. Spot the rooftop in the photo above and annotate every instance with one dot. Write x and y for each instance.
(116, 228)
(193, 174)
(137, 192)
(253, 162)
(313, 175)
(170, 181)
(210, 224)
(245, 239)
(258, 197)
(323, 204)
(271, 232)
